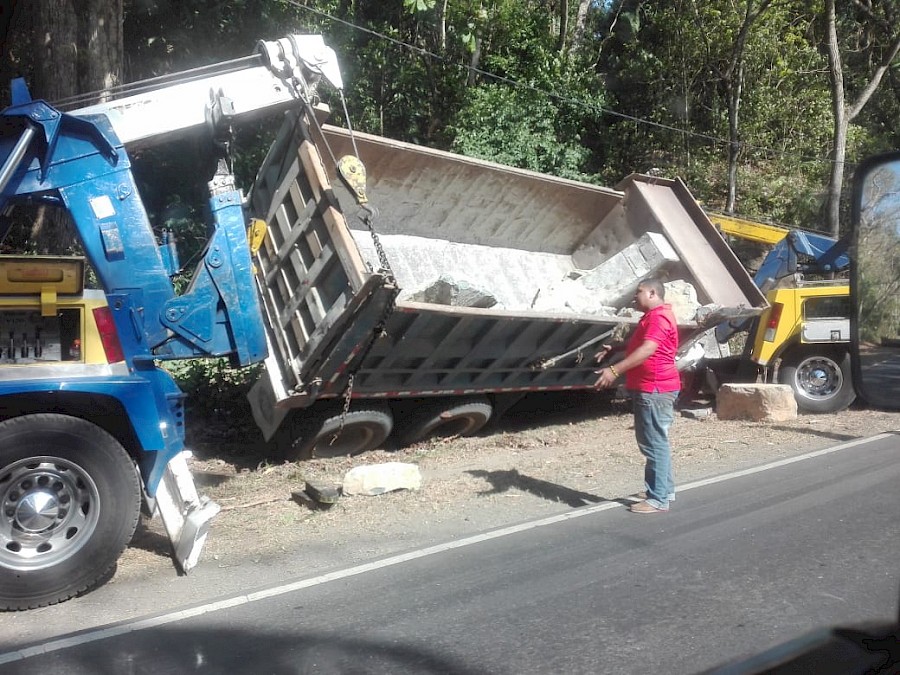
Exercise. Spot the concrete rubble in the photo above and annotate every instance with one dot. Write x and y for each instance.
(375, 479)
(438, 271)
(448, 291)
(612, 283)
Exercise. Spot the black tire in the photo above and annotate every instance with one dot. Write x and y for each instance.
(364, 429)
(458, 416)
(821, 379)
(70, 499)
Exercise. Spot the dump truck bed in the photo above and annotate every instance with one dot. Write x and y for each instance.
(489, 273)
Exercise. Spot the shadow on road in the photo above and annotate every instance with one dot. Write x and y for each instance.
(817, 432)
(186, 648)
(502, 481)
(149, 540)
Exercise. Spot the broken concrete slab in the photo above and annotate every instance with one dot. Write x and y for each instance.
(511, 276)
(375, 479)
(683, 298)
(757, 402)
(437, 271)
(457, 293)
(613, 282)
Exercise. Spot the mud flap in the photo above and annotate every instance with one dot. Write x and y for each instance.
(185, 515)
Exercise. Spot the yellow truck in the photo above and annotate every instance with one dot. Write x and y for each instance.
(803, 338)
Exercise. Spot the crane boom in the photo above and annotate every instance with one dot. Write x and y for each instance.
(749, 230)
(275, 78)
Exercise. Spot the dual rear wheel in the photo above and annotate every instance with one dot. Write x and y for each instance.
(327, 432)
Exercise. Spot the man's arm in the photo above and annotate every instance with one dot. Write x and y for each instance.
(610, 374)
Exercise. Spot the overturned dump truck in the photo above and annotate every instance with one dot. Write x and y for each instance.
(458, 287)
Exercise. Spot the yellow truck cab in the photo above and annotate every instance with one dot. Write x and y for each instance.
(802, 339)
(807, 328)
(810, 314)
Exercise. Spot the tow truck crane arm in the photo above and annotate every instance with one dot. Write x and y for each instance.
(793, 250)
(282, 74)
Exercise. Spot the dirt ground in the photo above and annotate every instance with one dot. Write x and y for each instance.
(547, 455)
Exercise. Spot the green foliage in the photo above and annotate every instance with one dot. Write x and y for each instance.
(418, 5)
(518, 127)
(166, 35)
(674, 71)
(217, 393)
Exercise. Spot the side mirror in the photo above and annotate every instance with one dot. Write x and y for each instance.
(875, 281)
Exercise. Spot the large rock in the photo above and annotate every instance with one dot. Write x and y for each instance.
(613, 282)
(757, 402)
(454, 292)
(683, 298)
(376, 479)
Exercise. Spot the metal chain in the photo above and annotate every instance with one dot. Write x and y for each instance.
(380, 328)
(368, 218)
(379, 249)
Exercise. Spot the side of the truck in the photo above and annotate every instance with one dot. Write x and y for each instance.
(803, 338)
(459, 286)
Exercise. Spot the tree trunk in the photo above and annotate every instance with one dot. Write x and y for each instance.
(735, 91)
(844, 114)
(839, 109)
(734, 86)
(101, 44)
(78, 49)
(441, 11)
(580, 23)
(563, 26)
(56, 50)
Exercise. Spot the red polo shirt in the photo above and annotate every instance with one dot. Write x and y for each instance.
(657, 373)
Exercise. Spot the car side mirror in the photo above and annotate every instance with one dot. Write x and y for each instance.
(875, 281)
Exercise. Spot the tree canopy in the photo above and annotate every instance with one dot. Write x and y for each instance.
(755, 104)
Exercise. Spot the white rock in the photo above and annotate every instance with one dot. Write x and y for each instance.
(376, 479)
(683, 298)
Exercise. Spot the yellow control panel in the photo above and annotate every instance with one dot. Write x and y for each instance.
(45, 312)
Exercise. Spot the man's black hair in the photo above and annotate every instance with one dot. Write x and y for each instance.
(656, 285)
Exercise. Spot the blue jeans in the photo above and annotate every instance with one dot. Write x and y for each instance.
(653, 415)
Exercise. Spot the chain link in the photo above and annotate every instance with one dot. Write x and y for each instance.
(380, 328)
(379, 249)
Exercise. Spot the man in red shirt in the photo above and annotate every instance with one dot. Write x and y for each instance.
(654, 383)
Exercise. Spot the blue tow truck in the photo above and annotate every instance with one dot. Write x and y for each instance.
(89, 436)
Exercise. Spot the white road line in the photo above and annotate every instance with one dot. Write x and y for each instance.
(171, 617)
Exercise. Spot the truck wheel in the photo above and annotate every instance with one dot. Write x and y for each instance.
(363, 429)
(459, 416)
(821, 380)
(70, 499)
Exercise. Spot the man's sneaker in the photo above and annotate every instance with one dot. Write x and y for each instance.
(644, 507)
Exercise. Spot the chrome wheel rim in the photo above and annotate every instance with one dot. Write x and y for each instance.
(49, 508)
(819, 377)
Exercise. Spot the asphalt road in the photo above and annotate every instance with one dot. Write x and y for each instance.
(881, 375)
(737, 566)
